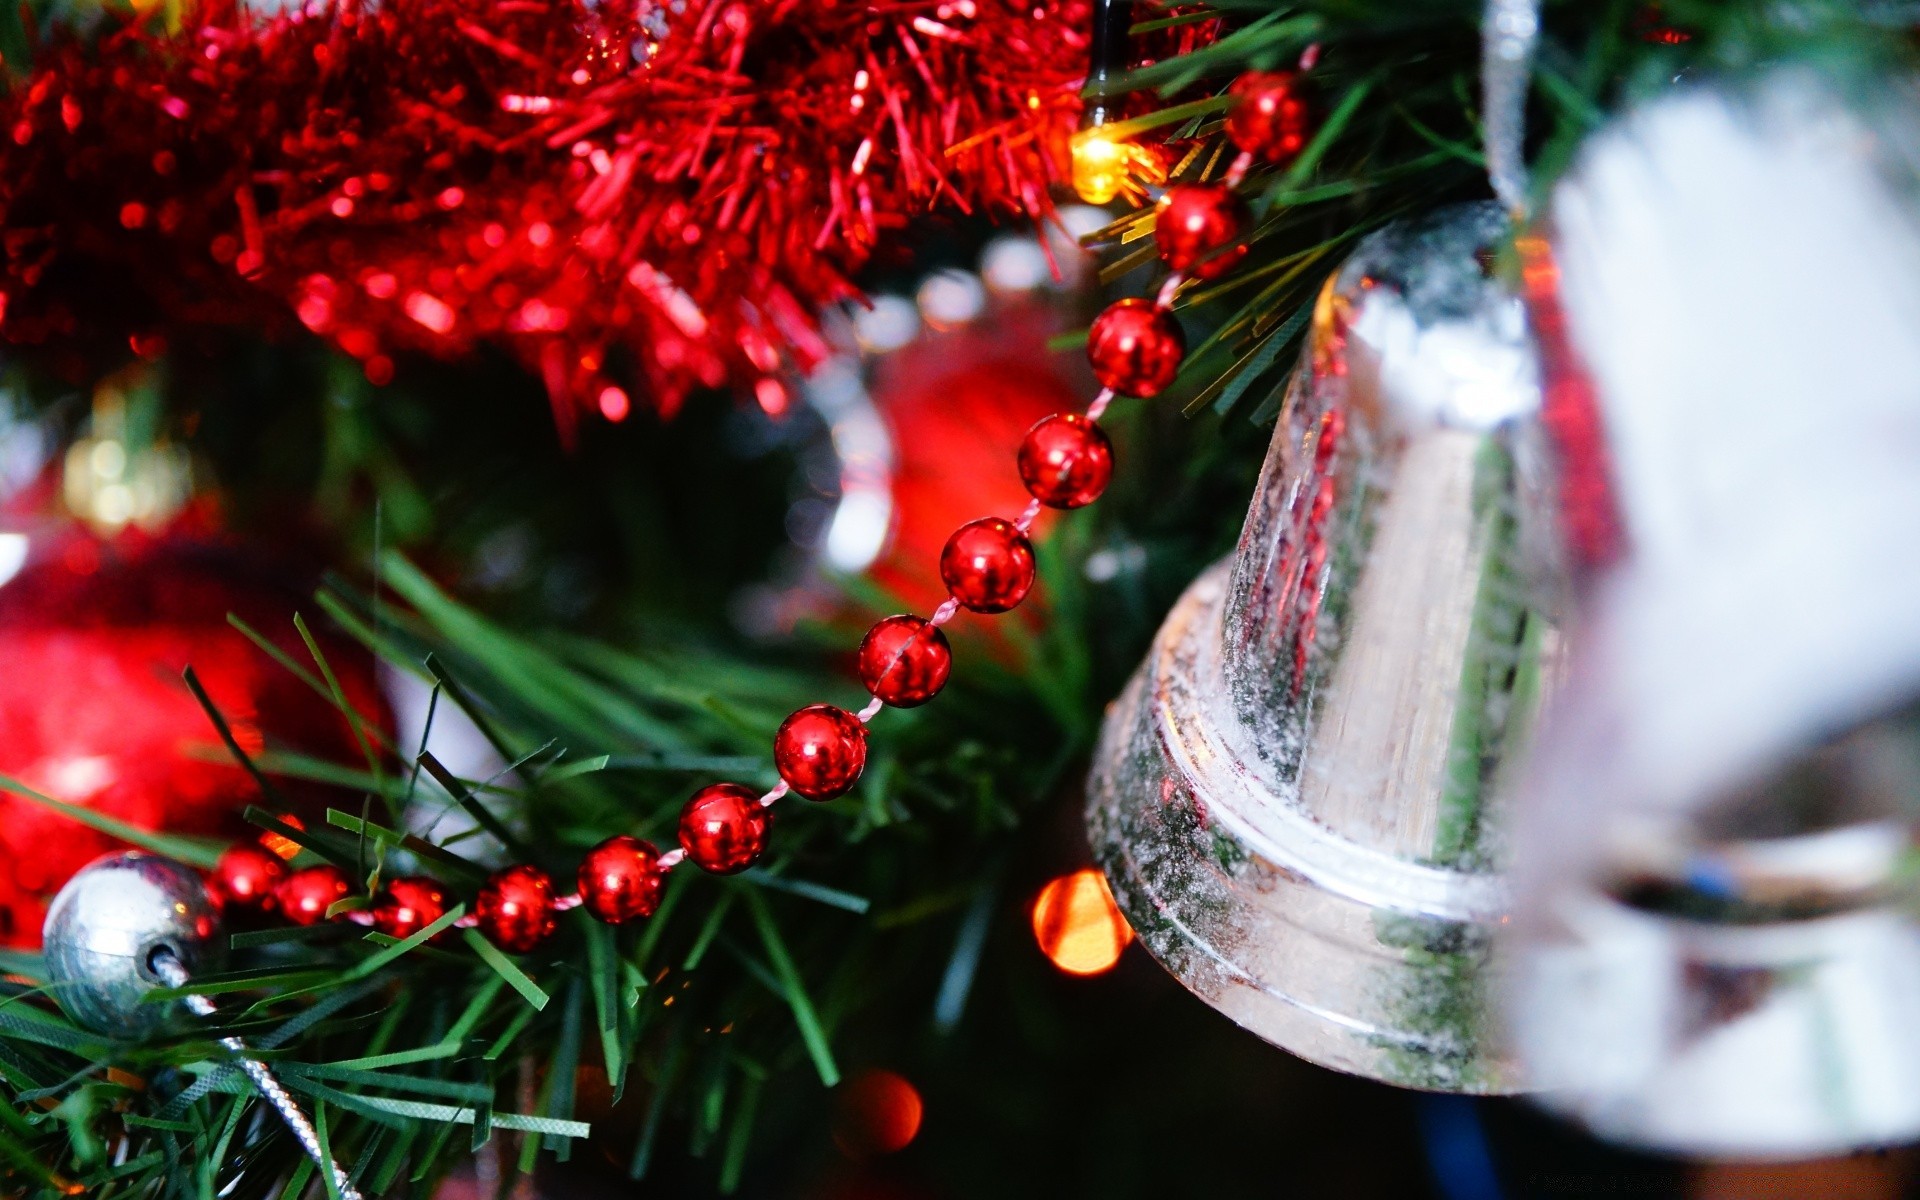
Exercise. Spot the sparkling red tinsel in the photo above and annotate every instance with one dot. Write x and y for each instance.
(630, 197)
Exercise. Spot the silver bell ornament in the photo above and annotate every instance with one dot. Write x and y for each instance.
(1716, 948)
(1297, 800)
(107, 925)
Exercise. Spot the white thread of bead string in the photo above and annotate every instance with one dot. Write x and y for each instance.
(1237, 172)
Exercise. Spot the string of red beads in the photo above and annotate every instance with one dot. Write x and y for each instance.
(306, 895)
(248, 877)
(820, 751)
(407, 905)
(620, 879)
(516, 908)
(1135, 348)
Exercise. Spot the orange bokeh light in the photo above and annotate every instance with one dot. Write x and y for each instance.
(877, 1112)
(280, 843)
(1077, 924)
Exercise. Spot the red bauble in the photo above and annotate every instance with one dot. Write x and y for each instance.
(723, 828)
(1066, 461)
(820, 751)
(988, 565)
(93, 636)
(905, 660)
(516, 909)
(1269, 115)
(246, 878)
(305, 895)
(1199, 227)
(620, 879)
(408, 905)
(1135, 348)
(953, 403)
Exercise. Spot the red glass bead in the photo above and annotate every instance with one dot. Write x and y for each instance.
(1269, 115)
(905, 660)
(306, 894)
(1199, 228)
(820, 751)
(407, 905)
(988, 565)
(515, 908)
(723, 828)
(1066, 461)
(620, 879)
(1135, 348)
(246, 878)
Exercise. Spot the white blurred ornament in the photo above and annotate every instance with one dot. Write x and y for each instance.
(1718, 947)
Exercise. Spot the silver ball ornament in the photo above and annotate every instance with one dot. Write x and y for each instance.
(103, 931)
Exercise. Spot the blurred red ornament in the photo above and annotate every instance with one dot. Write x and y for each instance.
(1649, 25)
(723, 828)
(1136, 348)
(905, 660)
(94, 634)
(407, 905)
(820, 751)
(875, 1112)
(953, 402)
(515, 909)
(305, 895)
(1200, 227)
(988, 565)
(1269, 117)
(620, 879)
(1066, 461)
(246, 878)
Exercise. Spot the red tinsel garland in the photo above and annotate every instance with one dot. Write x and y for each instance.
(619, 194)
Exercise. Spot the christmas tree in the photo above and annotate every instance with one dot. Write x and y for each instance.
(476, 488)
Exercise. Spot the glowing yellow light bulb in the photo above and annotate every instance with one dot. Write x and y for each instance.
(1099, 166)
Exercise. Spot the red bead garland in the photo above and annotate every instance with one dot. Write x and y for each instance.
(1269, 115)
(305, 895)
(988, 565)
(820, 751)
(723, 828)
(905, 660)
(1199, 227)
(1066, 461)
(620, 879)
(246, 878)
(407, 905)
(516, 909)
(1135, 348)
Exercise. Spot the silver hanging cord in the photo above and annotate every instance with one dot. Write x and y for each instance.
(174, 975)
(1508, 35)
